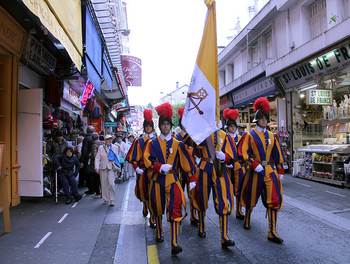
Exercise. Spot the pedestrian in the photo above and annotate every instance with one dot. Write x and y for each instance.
(96, 185)
(121, 145)
(104, 166)
(215, 152)
(241, 129)
(84, 159)
(79, 146)
(68, 166)
(59, 144)
(129, 168)
(136, 158)
(186, 139)
(165, 156)
(102, 136)
(236, 171)
(261, 151)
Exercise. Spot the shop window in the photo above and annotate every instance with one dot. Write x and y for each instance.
(318, 17)
(255, 51)
(269, 53)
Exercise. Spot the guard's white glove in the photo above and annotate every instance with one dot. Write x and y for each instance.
(138, 170)
(165, 168)
(220, 125)
(220, 156)
(259, 168)
(281, 176)
(192, 185)
(230, 166)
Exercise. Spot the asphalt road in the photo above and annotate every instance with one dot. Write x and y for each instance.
(314, 223)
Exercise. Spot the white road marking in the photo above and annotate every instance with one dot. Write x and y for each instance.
(122, 227)
(303, 184)
(43, 239)
(336, 194)
(84, 194)
(75, 204)
(63, 217)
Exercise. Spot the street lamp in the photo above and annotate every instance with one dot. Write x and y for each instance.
(124, 32)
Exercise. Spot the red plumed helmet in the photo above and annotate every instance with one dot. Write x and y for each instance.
(165, 110)
(231, 114)
(263, 104)
(148, 115)
(180, 111)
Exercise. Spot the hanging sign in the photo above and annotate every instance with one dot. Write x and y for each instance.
(88, 91)
(110, 124)
(132, 70)
(319, 97)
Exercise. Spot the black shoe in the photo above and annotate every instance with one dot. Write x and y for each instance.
(176, 250)
(160, 239)
(201, 234)
(69, 200)
(240, 217)
(228, 243)
(152, 225)
(144, 213)
(276, 240)
(246, 227)
(195, 222)
(78, 197)
(89, 192)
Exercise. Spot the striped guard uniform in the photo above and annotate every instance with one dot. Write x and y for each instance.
(236, 174)
(260, 146)
(208, 179)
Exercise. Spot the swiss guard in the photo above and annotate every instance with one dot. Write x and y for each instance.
(135, 157)
(186, 139)
(236, 171)
(166, 157)
(261, 151)
(215, 152)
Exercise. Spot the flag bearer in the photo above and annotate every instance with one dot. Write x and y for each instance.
(261, 151)
(212, 175)
(237, 170)
(135, 157)
(166, 156)
(185, 138)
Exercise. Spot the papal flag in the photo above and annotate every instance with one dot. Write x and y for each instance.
(201, 114)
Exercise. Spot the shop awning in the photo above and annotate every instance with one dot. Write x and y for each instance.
(93, 53)
(107, 73)
(249, 93)
(63, 20)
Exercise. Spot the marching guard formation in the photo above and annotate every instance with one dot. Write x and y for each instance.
(230, 166)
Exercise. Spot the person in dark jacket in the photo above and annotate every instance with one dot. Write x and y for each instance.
(59, 144)
(68, 166)
(85, 158)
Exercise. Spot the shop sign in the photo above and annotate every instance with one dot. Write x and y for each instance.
(12, 35)
(318, 67)
(223, 101)
(248, 93)
(319, 97)
(40, 57)
(110, 124)
(71, 95)
(88, 91)
(132, 70)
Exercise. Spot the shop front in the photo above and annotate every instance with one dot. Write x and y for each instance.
(318, 91)
(12, 40)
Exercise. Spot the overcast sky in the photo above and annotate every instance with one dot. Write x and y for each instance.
(166, 36)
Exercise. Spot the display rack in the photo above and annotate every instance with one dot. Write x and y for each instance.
(325, 163)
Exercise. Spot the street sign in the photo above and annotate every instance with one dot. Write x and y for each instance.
(110, 124)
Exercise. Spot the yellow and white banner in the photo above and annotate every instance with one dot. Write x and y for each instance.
(201, 114)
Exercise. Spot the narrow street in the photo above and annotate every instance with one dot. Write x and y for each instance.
(314, 223)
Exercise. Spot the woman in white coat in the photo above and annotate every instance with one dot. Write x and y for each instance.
(104, 167)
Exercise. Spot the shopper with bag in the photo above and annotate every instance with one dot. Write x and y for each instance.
(106, 164)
